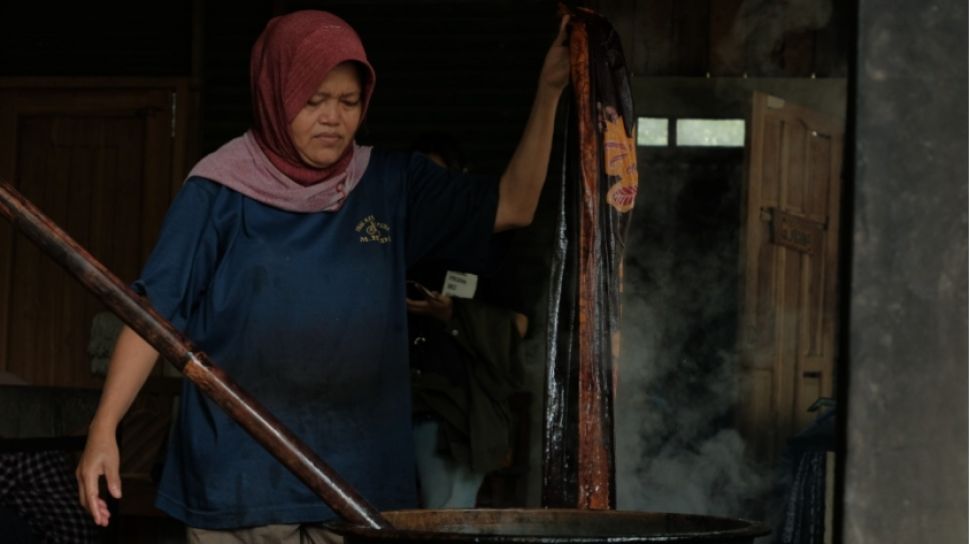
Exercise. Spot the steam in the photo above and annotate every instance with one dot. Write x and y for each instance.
(714, 479)
(680, 460)
(677, 450)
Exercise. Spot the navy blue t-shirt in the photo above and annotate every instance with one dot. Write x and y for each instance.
(306, 312)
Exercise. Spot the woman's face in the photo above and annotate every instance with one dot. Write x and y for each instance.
(326, 125)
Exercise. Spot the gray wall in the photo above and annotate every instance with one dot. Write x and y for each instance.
(906, 472)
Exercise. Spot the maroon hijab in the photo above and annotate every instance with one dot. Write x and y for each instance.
(290, 59)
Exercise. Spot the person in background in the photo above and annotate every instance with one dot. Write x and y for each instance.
(465, 365)
(283, 257)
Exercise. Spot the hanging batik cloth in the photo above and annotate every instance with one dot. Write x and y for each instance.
(598, 188)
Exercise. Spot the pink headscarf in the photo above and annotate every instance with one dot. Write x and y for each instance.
(290, 59)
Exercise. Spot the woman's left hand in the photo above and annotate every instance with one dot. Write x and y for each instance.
(555, 69)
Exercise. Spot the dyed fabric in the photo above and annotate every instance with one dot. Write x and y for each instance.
(598, 190)
(306, 313)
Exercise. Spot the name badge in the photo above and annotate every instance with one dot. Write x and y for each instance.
(460, 284)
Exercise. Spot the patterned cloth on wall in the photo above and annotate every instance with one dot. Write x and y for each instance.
(40, 488)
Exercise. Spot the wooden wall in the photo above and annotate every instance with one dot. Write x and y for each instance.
(464, 66)
(732, 38)
(110, 38)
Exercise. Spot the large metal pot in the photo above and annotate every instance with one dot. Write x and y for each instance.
(551, 527)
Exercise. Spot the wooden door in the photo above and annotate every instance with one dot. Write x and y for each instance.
(790, 264)
(101, 161)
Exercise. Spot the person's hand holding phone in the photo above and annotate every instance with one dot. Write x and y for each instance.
(422, 301)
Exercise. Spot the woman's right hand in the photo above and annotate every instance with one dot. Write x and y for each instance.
(100, 458)
(131, 363)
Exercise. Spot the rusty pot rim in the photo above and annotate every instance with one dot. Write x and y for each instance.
(743, 528)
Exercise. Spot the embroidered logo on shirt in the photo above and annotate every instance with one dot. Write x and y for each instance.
(372, 230)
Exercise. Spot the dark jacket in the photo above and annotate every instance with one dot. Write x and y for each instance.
(463, 373)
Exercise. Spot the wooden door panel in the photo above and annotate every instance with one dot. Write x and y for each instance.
(757, 403)
(765, 282)
(785, 346)
(99, 162)
(812, 334)
(771, 164)
(792, 184)
(820, 175)
(73, 168)
(789, 268)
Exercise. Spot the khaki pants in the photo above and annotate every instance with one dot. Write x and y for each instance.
(268, 534)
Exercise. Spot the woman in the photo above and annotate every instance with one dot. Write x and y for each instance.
(283, 257)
